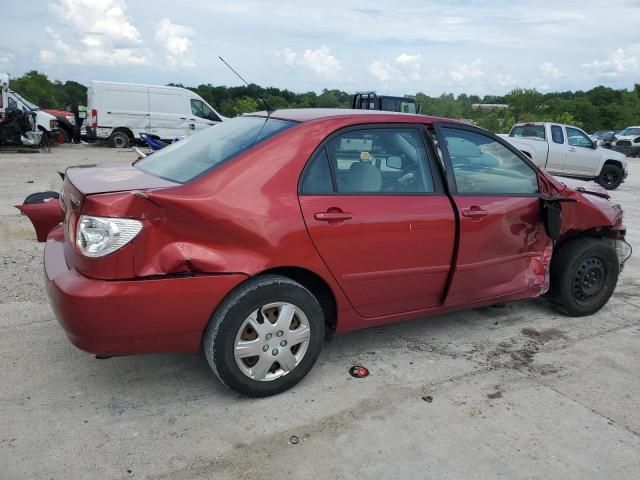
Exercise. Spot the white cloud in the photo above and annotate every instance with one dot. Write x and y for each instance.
(176, 41)
(100, 29)
(506, 80)
(405, 67)
(467, 74)
(320, 61)
(382, 71)
(93, 54)
(549, 70)
(98, 18)
(407, 59)
(6, 58)
(620, 62)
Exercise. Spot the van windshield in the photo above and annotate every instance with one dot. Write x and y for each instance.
(186, 159)
(29, 105)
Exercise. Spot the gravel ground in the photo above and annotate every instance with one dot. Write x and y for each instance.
(512, 391)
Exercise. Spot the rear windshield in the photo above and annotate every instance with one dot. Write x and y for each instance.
(186, 159)
(535, 131)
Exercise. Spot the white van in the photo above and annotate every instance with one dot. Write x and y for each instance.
(118, 112)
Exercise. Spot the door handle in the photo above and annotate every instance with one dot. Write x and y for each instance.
(572, 149)
(183, 118)
(333, 216)
(474, 213)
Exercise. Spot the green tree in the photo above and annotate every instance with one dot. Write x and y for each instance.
(36, 88)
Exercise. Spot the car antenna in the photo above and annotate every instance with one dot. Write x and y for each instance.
(253, 90)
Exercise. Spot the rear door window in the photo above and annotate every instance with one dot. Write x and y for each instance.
(370, 161)
(556, 134)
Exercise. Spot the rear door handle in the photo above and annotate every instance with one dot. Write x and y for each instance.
(333, 216)
(474, 212)
(572, 149)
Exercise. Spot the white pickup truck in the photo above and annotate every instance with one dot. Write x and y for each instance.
(567, 151)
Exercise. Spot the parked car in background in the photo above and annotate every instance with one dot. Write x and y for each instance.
(628, 142)
(604, 138)
(255, 239)
(46, 123)
(118, 112)
(568, 151)
(66, 125)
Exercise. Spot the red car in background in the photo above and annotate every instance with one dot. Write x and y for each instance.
(254, 240)
(66, 125)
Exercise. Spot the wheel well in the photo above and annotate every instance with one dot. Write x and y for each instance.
(527, 154)
(615, 163)
(318, 287)
(124, 130)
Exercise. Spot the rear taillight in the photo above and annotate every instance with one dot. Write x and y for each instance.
(94, 118)
(100, 236)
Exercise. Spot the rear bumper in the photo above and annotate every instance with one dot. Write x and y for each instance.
(131, 316)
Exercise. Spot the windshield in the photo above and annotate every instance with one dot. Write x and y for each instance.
(29, 105)
(630, 131)
(535, 131)
(186, 159)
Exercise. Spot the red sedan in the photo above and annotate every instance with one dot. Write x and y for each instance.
(256, 239)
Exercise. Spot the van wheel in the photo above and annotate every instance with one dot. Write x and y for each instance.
(119, 139)
(265, 337)
(610, 177)
(584, 273)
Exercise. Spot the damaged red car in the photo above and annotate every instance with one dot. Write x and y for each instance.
(254, 240)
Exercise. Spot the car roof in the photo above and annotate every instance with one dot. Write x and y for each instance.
(309, 114)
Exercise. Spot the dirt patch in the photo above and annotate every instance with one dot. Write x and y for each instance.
(515, 353)
(543, 336)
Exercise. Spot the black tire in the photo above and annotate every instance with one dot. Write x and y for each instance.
(119, 139)
(584, 273)
(610, 177)
(225, 324)
(40, 197)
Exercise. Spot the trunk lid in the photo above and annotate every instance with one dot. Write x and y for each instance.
(93, 179)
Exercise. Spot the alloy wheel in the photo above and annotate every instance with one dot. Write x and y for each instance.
(272, 341)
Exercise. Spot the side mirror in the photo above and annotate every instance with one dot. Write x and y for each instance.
(394, 162)
(595, 144)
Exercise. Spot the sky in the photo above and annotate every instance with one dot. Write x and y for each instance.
(401, 47)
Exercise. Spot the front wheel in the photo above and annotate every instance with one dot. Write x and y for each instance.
(584, 273)
(610, 177)
(265, 337)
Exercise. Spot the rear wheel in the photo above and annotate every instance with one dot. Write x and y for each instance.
(265, 337)
(610, 177)
(119, 139)
(584, 273)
